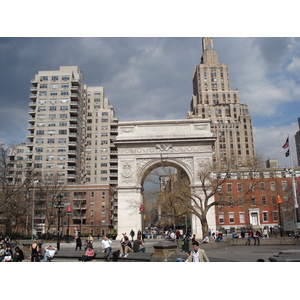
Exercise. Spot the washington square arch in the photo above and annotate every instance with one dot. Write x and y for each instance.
(142, 146)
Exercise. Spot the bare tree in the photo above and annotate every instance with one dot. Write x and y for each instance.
(15, 183)
(199, 200)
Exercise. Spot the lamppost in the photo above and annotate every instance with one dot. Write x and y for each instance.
(33, 200)
(279, 201)
(59, 206)
(69, 211)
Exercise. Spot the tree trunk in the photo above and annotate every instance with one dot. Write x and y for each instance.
(204, 224)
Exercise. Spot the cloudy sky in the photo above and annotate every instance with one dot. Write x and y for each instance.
(151, 78)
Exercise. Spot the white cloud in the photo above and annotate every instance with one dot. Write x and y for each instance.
(294, 66)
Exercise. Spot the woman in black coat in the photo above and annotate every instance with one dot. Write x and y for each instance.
(19, 255)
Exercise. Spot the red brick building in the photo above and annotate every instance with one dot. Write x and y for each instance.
(250, 200)
(91, 210)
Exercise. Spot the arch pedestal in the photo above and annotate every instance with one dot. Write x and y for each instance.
(144, 145)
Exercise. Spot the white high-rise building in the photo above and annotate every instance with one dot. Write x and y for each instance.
(72, 127)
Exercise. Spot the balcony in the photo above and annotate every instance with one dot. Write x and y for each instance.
(75, 82)
(34, 82)
(32, 112)
(32, 96)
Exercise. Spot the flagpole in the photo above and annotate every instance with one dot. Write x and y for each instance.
(294, 190)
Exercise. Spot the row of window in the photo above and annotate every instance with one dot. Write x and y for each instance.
(54, 78)
(54, 86)
(232, 218)
(255, 201)
(260, 185)
(53, 93)
(53, 108)
(49, 165)
(49, 141)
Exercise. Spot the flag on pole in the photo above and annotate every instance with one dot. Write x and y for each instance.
(287, 153)
(286, 144)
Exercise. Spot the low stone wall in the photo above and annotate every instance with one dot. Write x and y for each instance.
(267, 241)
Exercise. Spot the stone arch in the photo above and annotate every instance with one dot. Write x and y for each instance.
(185, 144)
(154, 163)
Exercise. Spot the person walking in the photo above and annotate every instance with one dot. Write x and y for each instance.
(132, 234)
(78, 243)
(106, 247)
(197, 254)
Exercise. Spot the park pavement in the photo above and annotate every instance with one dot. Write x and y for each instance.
(224, 252)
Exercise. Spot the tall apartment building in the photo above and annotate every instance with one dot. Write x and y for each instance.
(57, 119)
(72, 128)
(230, 120)
(100, 133)
(297, 141)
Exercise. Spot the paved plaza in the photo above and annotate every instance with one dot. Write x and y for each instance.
(222, 253)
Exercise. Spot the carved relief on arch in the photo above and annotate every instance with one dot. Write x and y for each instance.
(188, 162)
(127, 129)
(127, 171)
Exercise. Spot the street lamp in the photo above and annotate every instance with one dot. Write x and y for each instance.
(69, 211)
(33, 200)
(59, 206)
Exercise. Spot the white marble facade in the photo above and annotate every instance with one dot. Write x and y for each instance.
(143, 145)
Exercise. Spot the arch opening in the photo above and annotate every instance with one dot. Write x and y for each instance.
(162, 211)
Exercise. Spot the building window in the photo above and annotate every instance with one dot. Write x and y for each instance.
(275, 216)
(221, 218)
(263, 200)
(253, 200)
(231, 217)
(265, 216)
(229, 187)
(242, 217)
(272, 186)
(284, 185)
(239, 187)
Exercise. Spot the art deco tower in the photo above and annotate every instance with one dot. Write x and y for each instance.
(230, 120)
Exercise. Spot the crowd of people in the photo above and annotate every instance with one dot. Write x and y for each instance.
(6, 252)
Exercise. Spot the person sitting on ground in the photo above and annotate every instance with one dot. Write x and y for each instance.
(49, 253)
(137, 243)
(19, 255)
(89, 255)
(2, 251)
(205, 240)
(8, 254)
(125, 247)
